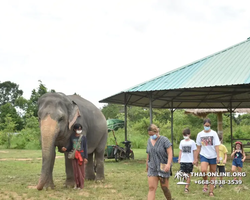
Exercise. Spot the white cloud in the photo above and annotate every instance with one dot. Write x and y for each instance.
(98, 48)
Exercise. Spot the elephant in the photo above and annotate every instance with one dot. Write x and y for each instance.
(57, 113)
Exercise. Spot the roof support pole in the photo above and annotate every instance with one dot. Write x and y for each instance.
(150, 108)
(125, 113)
(172, 127)
(219, 124)
(231, 126)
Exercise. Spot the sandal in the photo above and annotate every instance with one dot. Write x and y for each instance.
(211, 194)
(186, 190)
(205, 189)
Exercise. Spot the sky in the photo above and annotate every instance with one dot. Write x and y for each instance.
(99, 48)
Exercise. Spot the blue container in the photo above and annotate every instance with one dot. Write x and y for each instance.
(175, 159)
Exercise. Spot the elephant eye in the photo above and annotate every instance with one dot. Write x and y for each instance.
(60, 119)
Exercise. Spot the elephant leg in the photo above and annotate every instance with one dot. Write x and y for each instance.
(70, 180)
(89, 170)
(99, 160)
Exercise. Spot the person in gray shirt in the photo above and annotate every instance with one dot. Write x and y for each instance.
(159, 160)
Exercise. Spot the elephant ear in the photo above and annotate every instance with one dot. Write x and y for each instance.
(75, 112)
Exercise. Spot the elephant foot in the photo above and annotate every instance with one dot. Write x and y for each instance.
(99, 181)
(49, 185)
(69, 186)
(45, 184)
(99, 178)
(70, 183)
(90, 177)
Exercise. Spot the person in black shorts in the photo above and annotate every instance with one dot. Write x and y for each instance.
(187, 155)
(223, 160)
(186, 167)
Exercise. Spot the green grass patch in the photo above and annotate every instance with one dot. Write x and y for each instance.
(20, 171)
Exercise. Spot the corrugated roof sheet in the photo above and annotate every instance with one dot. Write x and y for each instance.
(221, 80)
(228, 67)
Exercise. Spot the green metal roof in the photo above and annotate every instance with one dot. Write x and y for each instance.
(222, 75)
(228, 67)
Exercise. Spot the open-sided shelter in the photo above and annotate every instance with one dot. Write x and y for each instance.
(221, 80)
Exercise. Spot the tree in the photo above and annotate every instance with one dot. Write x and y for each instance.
(8, 131)
(9, 93)
(111, 111)
(244, 119)
(9, 110)
(137, 113)
(163, 115)
(29, 137)
(35, 95)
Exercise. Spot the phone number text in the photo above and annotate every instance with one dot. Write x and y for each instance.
(218, 182)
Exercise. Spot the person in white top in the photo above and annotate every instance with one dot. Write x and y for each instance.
(187, 155)
(208, 147)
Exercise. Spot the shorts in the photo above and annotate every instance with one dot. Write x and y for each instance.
(152, 172)
(211, 161)
(186, 167)
(237, 162)
(220, 169)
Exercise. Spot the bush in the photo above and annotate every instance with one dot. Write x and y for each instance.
(34, 145)
(18, 142)
(239, 132)
(3, 138)
(27, 139)
(139, 142)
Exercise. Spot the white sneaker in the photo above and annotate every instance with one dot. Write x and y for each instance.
(75, 187)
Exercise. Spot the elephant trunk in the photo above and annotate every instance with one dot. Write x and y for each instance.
(49, 133)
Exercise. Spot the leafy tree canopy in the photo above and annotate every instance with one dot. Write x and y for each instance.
(8, 131)
(111, 111)
(9, 93)
(244, 119)
(35, 95)
(9, 110)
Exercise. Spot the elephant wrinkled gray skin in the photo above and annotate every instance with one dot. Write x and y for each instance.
(57, 113)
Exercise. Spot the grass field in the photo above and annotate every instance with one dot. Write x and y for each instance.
(20, 171)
